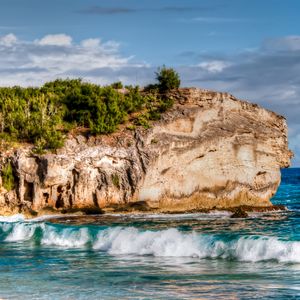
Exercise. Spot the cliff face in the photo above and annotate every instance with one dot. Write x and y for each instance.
(210, 150)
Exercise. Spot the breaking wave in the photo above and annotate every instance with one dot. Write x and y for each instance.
(12, 219)
(162, 243)
(171, 242)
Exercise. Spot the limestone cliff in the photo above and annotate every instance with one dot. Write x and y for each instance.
(209, 151)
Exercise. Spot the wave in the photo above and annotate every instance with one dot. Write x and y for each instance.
(19, 232)
(171, 242)
(163, 243)
(12, 219)
(68, 238)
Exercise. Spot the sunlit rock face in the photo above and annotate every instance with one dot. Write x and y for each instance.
(209, 151)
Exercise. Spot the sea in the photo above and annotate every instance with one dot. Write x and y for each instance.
(177, 256)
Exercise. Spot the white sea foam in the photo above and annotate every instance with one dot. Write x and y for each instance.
(162, 243)
(68, 238)
(20, 218)
(21, 232)
(47, 217)
(267, 248)
(178, 216)
(171, 242)
(12, 219)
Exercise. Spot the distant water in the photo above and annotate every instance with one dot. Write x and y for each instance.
(194, 256)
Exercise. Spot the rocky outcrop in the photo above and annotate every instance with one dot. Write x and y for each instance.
(209, 151)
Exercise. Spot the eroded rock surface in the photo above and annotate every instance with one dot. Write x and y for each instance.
(209, 151)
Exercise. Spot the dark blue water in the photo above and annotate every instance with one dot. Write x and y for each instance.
(196, 256)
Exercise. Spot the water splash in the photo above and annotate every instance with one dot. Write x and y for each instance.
(160, 243)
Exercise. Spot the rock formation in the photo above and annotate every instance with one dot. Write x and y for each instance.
(209, 151)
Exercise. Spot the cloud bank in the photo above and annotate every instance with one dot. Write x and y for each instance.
(34, 62)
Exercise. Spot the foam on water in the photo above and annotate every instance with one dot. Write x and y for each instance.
(67, 238)
(12, 219)
(21, 232)
(162, 243)
(177, 216)
(171, 242)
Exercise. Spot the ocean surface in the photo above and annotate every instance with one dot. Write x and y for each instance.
(192, 256)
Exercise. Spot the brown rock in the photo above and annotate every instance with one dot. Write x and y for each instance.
(239, 213)
(211, 151)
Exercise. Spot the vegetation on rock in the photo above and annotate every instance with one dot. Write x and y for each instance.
(168, 79)
(115, 180)
(8, 179)
(44, 115)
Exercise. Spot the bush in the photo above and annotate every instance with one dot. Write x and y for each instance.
(8, 179)
(115, 180)
(168, 79)
(154, 114)
(117, 85)
(151, 88)
(43, 115)
(142, 120)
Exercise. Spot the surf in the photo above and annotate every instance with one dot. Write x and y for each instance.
(172, 242)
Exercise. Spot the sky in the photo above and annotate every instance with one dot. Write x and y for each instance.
(250, 48)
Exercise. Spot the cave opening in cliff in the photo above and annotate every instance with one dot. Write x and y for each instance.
(28, 191)
(46, 197)
(60, 201)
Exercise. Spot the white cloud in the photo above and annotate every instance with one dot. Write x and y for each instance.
(91, 43)
(287, 43)
(8, 40)
(55, 40)
(214, 66)
(35, 62)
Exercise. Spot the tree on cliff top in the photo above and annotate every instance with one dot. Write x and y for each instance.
(167, 78)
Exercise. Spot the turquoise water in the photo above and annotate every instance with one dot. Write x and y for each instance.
(194, 256)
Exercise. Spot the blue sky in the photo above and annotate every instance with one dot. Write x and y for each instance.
(250, 48)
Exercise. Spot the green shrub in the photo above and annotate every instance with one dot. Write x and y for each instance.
(154, 114)
(134, 100)
(43, 116)
(40, 145)
(165, 104)
(115, 180)
(151, 88)
(131, 127)
(142, 120)
(117, 85)
(167, 78)
(8, 179)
